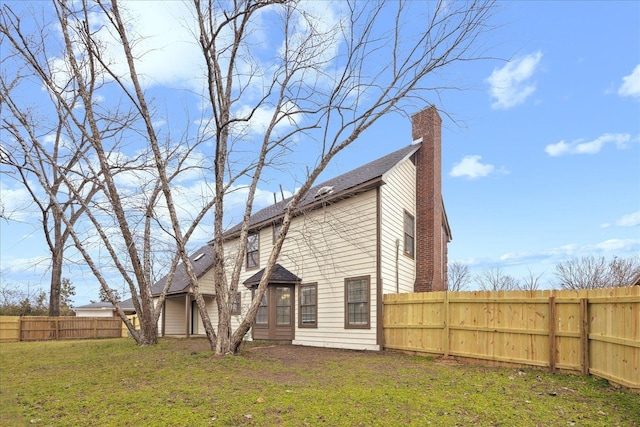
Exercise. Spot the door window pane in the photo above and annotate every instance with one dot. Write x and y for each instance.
(283, 306)
(262, 317)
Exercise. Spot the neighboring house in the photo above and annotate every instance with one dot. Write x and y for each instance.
(103, 309)
(378, 229)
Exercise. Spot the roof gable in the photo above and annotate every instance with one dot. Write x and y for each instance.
(202, 261)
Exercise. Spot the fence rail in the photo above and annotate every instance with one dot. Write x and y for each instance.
(42, 328)
(592, 332)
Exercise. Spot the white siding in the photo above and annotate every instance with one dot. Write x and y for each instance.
(174, 313)
(213, 316)
(397, 196)
(326, 246)
(206, 283)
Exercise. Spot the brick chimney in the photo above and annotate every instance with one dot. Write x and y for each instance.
(432, 232)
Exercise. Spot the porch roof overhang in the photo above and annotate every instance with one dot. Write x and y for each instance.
(278, 275)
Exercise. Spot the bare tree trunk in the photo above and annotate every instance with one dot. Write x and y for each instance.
(56, 282)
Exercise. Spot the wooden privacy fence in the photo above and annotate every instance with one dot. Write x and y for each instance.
(42, 328)
(9, 329)
(592, 331)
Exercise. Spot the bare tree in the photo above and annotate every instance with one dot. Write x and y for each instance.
(22, 301)
(496, 280)
(317, 91)
(120, 221)
(623, 271)
(530, 282)
(458, 276)
(51, 166)
(590, 272)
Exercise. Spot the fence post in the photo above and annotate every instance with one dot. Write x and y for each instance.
(95, 328)
(584, 336)
(446, 324)
(552, 334)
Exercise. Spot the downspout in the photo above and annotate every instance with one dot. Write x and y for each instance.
(397, 266)
(164, 312)
(187, 314)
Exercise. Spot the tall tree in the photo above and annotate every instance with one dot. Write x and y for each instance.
(280, 78)
(27, 162)
(67, 291)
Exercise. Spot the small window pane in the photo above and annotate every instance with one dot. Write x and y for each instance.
(276, 231)
(252, 251)
(357, 291)
(237, 304)
(263, 311)
(409, 234)
(283, 306)
(358, 313)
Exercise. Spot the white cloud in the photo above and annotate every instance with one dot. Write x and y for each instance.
(556, 255)
(630, 220)
(631, 84)
(262, 117)
(16, 203)
(510, 85)
(588, 147)
(471, 167)
(36, 265)
(165, 48)
(615, 245)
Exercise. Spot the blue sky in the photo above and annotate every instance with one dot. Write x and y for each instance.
(541, 148)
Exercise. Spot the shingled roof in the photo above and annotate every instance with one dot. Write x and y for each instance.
(279, 274)
(202, 261)
(341, 185)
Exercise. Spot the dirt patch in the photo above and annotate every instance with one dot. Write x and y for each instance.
(302, 356)
(294, 355)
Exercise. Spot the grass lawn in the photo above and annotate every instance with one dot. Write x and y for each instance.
(180, 383)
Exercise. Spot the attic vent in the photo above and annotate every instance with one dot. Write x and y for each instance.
(324, 191)
(199, 256)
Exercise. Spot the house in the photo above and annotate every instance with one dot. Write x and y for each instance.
(103, 309)
(381, 228)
